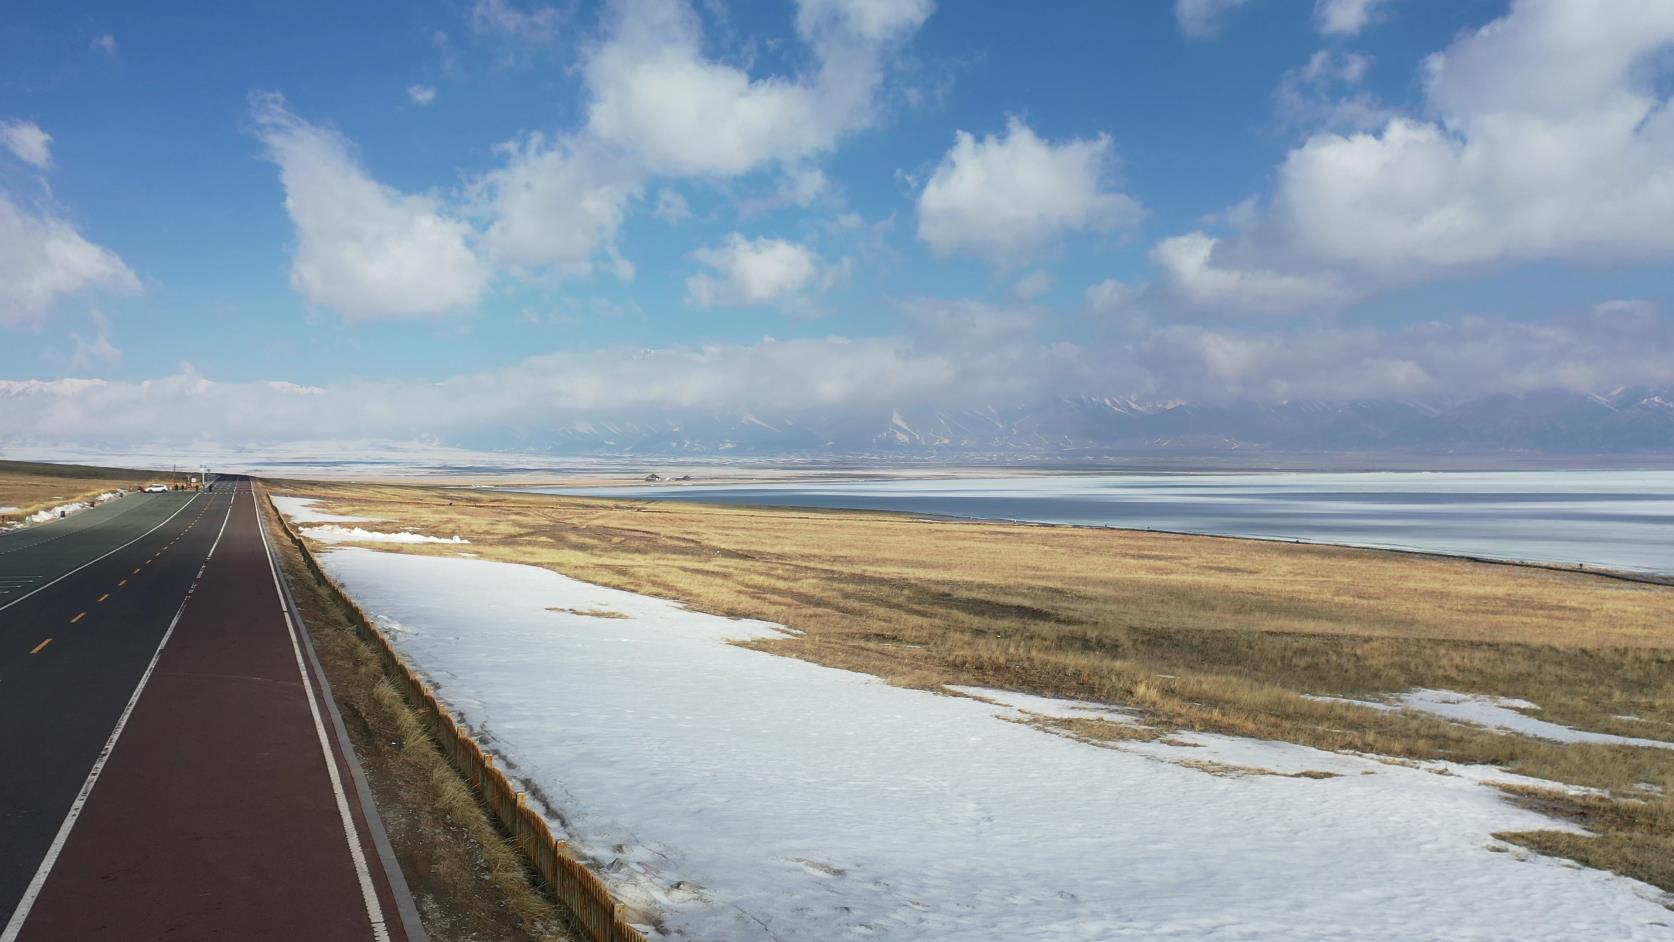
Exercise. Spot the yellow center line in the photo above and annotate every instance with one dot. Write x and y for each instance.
(105, 596)
(38, 647)
(79, 617)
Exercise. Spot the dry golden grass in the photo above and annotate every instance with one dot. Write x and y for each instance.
(1198, 633)
(30, 486)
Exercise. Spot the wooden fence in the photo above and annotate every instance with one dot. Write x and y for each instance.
(576, 887)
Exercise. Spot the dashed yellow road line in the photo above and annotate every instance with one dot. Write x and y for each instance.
(79, 617)
(38, 647)
(136, 572)
(105, 596)
(122, 583)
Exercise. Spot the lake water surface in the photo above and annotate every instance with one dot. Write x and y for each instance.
(1615, 519)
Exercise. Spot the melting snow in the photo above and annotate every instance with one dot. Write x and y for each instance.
(1503, 713)
(738, 795)
(336, 534)
(301, 510)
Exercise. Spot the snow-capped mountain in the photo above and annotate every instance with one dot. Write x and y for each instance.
(1625, 421)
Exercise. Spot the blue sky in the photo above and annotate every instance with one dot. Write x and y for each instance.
(916, 202)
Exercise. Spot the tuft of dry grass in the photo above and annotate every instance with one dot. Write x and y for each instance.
(1197, 633)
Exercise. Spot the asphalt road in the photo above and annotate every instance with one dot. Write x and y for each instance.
(172, 768)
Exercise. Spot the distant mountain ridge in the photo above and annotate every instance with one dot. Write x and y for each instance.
(1555, 422)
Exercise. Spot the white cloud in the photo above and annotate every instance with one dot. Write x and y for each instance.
(1326, 93)
(755, 272)
(105, 43)
(421, 94)
(959, 353)
(536, 25)
(44, 258)
(1201, 19)
(656, 95)
(557, 205)
(1033, 285)
(364, 249)
(1345, 17)
(671, 207)
(100, 351)
(1005, 197)
(1187, 264)
(1119, 304)
(27, 142)
(870, 21)
(1552, 139)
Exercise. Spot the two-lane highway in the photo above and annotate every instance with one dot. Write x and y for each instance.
(170, 769)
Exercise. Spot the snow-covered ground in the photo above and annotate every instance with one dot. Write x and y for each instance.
(331, 533)
(301, 511)
(737, 795)
(1501, 713)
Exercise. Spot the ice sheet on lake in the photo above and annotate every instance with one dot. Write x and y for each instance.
(742, 796)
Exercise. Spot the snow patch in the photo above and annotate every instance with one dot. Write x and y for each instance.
(1503, 713)
(733, 794)
(301, 510)
(331, 533)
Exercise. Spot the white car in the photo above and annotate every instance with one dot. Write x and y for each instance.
(156, 488)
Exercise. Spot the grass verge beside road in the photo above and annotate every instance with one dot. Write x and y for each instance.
(31, 486)
(1198, 633)
(469, 882)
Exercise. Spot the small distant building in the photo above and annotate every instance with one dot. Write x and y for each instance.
(653, 477)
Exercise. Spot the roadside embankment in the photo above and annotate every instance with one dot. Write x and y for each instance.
(441, 782)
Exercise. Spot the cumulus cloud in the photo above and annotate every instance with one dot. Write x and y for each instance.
(1202, 19)
(1551, 139)
(1346, 17)
(421, 94)
(1033, 285)
(363, 249)
(536, 24)
(27, 142)
(1326, 93)
(44, 257)
(96, 352)
(671, 207)
(105, 43)
(1003, 197)
(657, 96)
(557, 205)
(1186, 264)
(752, 272)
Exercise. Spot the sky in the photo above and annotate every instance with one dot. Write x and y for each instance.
(265, 223)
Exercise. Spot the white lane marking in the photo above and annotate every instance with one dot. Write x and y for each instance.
(15, 925)
(92, 561)
(368, 892)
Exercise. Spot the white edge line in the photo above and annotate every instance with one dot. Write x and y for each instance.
(368, 892)
(90, 562)
(15, 924)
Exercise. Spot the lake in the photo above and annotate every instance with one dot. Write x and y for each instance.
(1613, 519)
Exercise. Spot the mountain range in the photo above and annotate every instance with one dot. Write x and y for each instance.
(1557, 423)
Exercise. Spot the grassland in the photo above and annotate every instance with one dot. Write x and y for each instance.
(1199, 633)
(32, 486)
